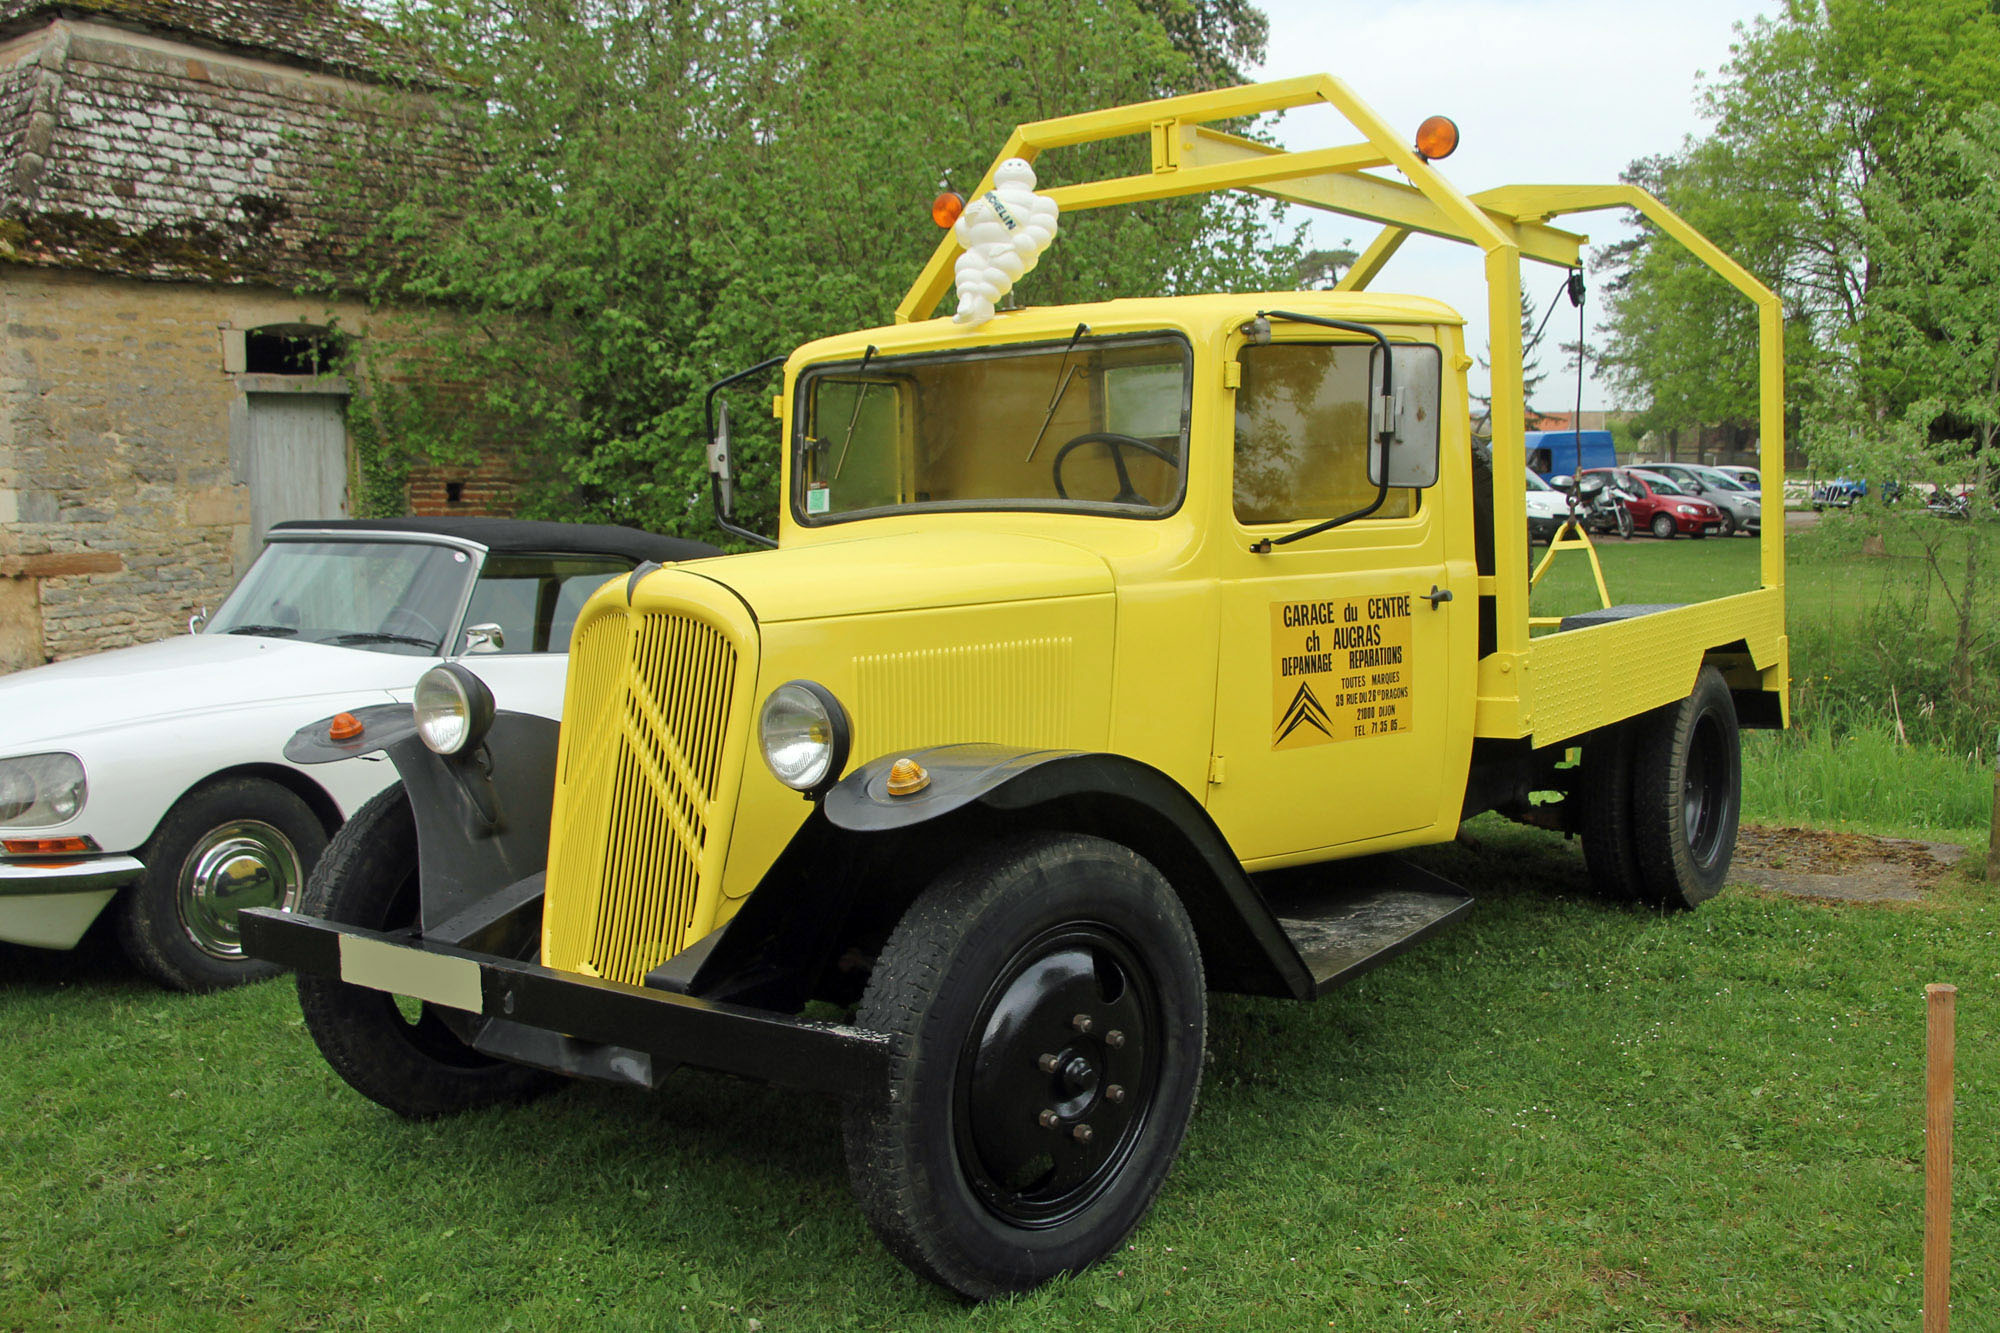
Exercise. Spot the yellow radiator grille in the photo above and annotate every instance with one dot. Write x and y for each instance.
(636, 793)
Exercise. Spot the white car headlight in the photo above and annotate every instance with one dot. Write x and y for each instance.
(804, 734)
(453, 708)
(1689, 510)
(38, 790)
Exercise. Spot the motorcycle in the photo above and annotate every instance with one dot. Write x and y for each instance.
(1598, 504)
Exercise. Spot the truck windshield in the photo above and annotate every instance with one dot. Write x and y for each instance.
(1096, 425)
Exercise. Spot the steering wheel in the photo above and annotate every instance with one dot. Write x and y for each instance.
(1119, 444)
(403, 621)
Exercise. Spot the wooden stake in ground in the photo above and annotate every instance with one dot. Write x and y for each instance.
(1941, 1002)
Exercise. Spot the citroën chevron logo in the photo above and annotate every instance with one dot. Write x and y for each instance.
(1305, 711)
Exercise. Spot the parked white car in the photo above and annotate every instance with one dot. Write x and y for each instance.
(1548, 508)
(151, 780)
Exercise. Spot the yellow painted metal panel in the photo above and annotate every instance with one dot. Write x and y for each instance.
(1587, 678)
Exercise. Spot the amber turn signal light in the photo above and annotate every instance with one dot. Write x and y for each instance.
(1437, 138)
(907, 777)
(47, 846)
(344, 727)
(946, 208)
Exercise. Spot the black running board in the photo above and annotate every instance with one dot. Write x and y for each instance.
(1346, 917)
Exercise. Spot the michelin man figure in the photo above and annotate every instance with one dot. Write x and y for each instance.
(1004, 232)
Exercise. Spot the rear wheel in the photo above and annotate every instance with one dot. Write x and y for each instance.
(1687, 794)
(1610, 854)
(1046, 1011)
(227, 845)
(1663, 527)
(394, 1051)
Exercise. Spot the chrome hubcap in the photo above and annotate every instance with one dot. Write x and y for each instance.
(245, 863)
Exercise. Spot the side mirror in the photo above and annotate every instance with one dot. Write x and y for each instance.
(1565, 484)
(487, 638)
(197, 621)
(1403, 424)
(719, 466)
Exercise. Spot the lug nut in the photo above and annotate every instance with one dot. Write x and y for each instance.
(1115, 1095)
(1081, 1023)
(1114, 1039)
(1049, 1119)
(1081, 1134)
(1049, 1063)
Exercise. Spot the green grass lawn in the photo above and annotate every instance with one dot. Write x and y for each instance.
(1559, 1113)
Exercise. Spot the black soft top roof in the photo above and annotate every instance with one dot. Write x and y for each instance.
(515, 534)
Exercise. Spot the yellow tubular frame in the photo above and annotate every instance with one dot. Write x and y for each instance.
(1508, 224)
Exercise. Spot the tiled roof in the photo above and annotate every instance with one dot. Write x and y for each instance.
(320, 34)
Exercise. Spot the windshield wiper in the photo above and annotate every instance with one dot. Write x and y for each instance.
(1062, 387)
(270, 631)
(380, 636)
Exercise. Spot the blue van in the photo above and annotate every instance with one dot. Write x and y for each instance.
(1554, 453)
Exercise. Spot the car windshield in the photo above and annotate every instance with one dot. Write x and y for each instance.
(1535, 483)
(1721, 481)
(1097, 425)
(1660, 485)
(393, 597)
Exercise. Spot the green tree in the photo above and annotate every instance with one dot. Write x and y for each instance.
(675, 190)
(1815, 105)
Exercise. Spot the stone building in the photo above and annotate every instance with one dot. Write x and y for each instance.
(162, 399)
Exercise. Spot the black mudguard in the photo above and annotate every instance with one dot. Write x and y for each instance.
(482, 814)
(864, 852)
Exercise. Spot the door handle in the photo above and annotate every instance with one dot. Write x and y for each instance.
(1436, 595)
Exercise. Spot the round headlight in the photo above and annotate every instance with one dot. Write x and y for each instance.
(453, 708)
(37, 790)
(804, 734)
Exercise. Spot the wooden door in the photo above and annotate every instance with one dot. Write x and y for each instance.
(298, 458)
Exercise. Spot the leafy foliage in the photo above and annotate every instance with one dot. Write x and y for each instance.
(674, 191)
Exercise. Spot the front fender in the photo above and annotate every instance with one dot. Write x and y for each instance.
(482, 815)
(864, 854)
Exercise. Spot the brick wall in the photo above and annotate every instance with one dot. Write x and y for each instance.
(490, 486)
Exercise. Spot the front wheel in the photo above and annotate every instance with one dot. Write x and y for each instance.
(227, 845)
(1046, 1013)
(394, 1051)
(1663, 527)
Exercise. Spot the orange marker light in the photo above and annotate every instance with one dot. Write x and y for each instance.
(907, 777)
(47, 846)
(1437, 138)
(946, 208)
(344, 727)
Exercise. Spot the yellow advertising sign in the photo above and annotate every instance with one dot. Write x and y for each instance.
(1340, 670)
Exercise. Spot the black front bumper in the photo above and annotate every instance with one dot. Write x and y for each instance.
(671, 1028)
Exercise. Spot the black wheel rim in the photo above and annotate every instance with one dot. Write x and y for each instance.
(1058, 1075)
(1707, 790)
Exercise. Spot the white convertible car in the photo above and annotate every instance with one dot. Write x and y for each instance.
(152, 781)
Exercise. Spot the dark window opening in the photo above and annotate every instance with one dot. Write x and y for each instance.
(292, 349)
(454, 492)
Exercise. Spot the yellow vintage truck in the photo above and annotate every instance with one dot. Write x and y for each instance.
(1088, 630)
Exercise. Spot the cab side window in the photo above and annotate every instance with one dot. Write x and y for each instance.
(1302, 433)
(534, 599)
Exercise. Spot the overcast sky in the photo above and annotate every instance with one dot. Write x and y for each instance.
(1544, 92)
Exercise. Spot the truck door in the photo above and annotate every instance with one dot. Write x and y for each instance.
(1331, 716)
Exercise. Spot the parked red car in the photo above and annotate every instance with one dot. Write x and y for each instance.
(1663, 506)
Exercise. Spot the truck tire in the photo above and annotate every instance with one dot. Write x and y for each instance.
(228, 844)
(392, 1051)
(1046, 1012)
(1610, 853)
(1687, 794)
